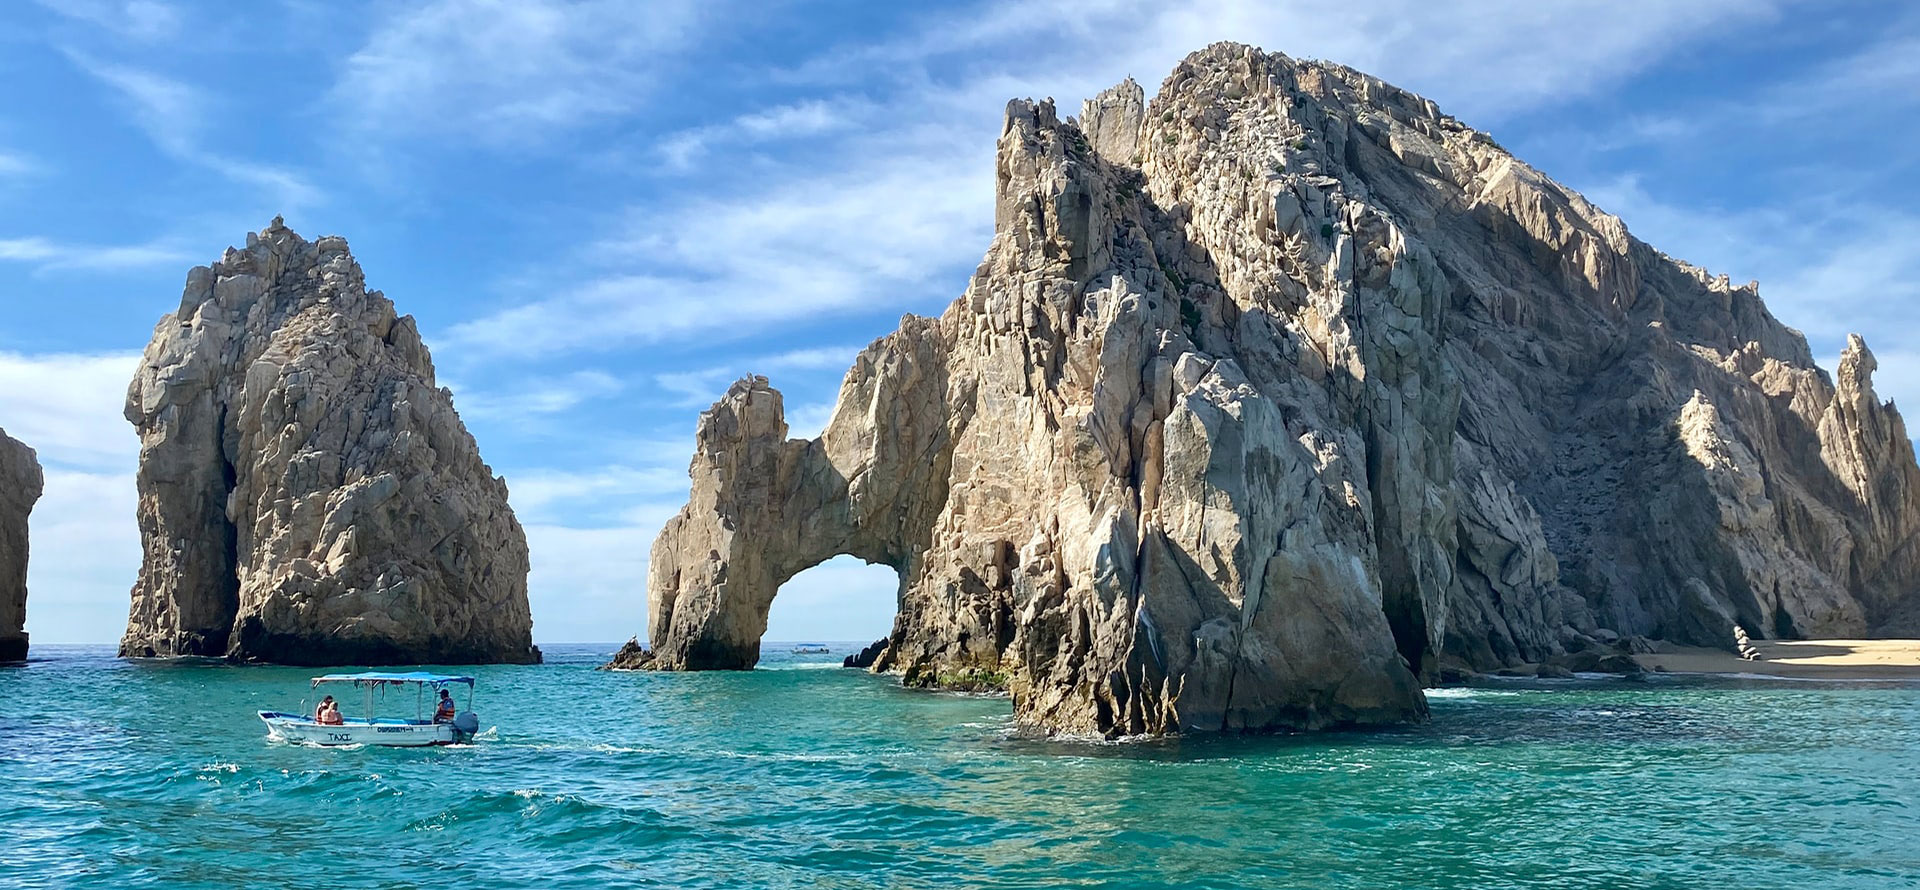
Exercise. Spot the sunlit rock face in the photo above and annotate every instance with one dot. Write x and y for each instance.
(307, 494)
(1277, 394)
(20, 485)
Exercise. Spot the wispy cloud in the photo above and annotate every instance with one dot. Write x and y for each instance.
(86, 552)
(173, 115)
(1484, 58)
(14, 164)
(46, 255)
(729, 267)
(900, 204)
(143, 21)
(67, 407)
(511, 71)
(530, 400)
(799, 120)
(700, 387)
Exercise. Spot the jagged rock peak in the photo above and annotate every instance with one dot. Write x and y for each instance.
(1281, 394)
(20, 486)
(307, 495)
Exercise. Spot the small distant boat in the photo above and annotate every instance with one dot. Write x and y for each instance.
(811, 649)
(368, 729)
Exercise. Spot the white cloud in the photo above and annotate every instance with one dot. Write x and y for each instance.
(901, 203)
(1479, 57)
(47, 255)
(85, 547)
(84, 554)
(534, 399)
(143, 21)
(510, 71)
(611, 492)
(14, 164)
(700, 388)
(798, 120)
(173, 115)
(588, 584)
(850, 238)
(68, 407)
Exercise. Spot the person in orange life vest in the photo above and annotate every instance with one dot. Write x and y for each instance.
(444, 712)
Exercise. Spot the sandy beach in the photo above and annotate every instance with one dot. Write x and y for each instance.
(1801, 659)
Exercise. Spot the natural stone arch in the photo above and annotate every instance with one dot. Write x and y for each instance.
(764, 508)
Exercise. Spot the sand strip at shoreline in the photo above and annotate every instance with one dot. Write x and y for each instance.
(1800, 659)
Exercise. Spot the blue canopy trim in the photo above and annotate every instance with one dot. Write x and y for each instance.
(378, 678)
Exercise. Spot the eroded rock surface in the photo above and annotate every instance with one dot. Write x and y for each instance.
(307, 493)
(20, 486)
(1282, 392)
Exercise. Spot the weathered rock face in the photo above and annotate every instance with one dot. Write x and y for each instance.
(1274, 394)
(20, 484)
(307, 494)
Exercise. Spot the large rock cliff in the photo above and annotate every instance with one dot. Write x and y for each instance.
(1281, 392)
(20, 483)
(307, 494)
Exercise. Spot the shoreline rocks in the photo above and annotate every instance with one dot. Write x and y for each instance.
(21, 482)
(307, 493)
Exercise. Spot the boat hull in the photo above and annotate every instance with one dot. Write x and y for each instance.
(386, 733)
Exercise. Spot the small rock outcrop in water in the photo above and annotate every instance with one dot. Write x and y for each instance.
(866, 656)
(307, 495)
(631, 657)
(1282, 393)
(20, 483)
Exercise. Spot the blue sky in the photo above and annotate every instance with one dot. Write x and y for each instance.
(602, 212)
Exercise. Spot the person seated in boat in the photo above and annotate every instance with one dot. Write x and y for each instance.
(443, 713)
(331, 717)
(320, 710)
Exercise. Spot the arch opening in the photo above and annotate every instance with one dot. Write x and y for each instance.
(843, 603)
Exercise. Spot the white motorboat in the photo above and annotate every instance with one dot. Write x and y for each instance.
(811, 649)
(370, 729)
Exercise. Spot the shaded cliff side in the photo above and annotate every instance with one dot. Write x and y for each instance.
(307, 493)
(20, 485)
(1280, 391)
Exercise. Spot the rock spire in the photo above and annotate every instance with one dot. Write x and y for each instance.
(307, 494)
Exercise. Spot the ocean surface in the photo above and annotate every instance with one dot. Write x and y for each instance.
(804, 775)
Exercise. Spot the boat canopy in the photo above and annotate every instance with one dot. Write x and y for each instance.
(378, 678)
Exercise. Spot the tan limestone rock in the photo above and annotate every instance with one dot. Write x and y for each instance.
(20, 486)
(1266, 401)
(307, 493)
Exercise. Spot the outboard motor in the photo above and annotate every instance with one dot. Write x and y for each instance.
(465, 725)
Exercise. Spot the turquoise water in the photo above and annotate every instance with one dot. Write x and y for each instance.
(123, 774)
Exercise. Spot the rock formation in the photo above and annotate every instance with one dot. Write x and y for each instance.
(307, 494)
(20, 483)
(1281, 393)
